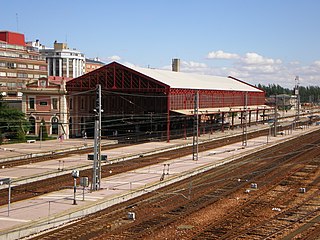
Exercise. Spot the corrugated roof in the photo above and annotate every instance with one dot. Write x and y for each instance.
(195, 81)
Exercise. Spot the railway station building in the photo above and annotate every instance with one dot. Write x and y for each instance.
(143, 103)
(44, 102)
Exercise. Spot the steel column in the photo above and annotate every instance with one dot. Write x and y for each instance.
(168, 116)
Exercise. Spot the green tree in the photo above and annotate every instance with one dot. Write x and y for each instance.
(310, 94)
(13, 124)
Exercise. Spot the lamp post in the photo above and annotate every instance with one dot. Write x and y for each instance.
(75, 175)
(8, 182)
(41, 124)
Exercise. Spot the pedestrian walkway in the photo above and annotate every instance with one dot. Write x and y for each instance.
(53, 209)
(18, 151)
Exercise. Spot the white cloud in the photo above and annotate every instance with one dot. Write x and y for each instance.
(254, 59)
(317, 63)
(192, 64)
(222, 55)
(114, 58)
(255, 68)
(294, 63)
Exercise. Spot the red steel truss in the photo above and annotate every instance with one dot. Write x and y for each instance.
(184, 98)
(116, 77)
(145, 95)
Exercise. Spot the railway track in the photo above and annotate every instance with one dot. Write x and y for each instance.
(217, 205)
(51, 156)
(255, 223)
(26, 191)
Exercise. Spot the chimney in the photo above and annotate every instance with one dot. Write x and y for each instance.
(176, 65)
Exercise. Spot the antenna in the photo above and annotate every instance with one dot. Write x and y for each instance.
(17, 20)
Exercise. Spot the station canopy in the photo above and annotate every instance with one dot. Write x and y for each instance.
(184, 80)
(115, 76)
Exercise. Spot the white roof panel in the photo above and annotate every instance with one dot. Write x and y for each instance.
(195, 81)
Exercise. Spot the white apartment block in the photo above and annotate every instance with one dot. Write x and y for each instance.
(62, 61)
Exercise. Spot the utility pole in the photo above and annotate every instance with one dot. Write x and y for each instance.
(96, 174)
(244, 121)
(195, 142)
(275, 122)
(296, 92)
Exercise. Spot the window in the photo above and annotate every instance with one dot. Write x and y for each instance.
(9, 74)
(54, 125)
(43, 68)
(3, 74)
(22, 75)
(54, 103)
(11, 84)
(43, 103)
(11, 65)
(30, 66)
(70, 103)
(82, 103)
(22, 66)
(31, 103)
(70, 126)
(32, 129)
(43, 83)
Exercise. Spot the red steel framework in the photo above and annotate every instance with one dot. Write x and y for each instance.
(143, 94)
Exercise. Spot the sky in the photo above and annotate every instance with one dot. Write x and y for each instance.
(257, 41)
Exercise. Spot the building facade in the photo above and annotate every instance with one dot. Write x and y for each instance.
(62, 61)
(93, 64)
(19, 64)
(45, 101)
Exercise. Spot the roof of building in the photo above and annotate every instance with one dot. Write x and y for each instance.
(195, 81)
(161, 80)
(13, 38)
(94, 61)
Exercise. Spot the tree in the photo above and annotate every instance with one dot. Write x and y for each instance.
(13, 124)
(307, 94)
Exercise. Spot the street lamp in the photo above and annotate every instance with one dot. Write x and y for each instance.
(41, 124)
(75, 175)
(7, 181)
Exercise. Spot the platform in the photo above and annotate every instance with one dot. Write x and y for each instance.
(53, 209)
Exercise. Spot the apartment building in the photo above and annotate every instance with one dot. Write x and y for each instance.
(19, 64)
(62, 61)
(93, 64)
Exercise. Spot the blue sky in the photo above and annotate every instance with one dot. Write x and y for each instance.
(257, 41)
